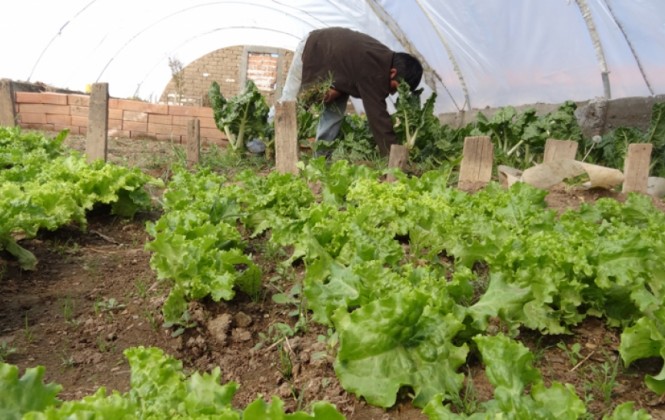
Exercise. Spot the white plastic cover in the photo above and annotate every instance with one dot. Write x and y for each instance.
(481, 52)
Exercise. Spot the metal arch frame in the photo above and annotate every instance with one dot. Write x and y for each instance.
(630, 46)
(597, 46)
(430, 73)
(281, 7)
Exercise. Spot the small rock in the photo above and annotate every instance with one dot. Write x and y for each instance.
(219, 327)
(284, 390)
(242, 320)
(241, 334)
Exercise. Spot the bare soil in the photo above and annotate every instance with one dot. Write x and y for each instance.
(94, 294)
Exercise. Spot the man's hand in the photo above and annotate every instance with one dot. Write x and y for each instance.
(331, 96)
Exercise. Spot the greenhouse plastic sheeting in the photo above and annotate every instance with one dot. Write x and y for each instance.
(477, 53)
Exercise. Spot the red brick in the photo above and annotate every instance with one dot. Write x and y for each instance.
(32, 118)
(78, 100)
(166, 129)
(79, 111)
(115, 114)
(44, 109)
(160, 119)
(208, 123)
(129, 105)
(52, 98)
(65, 120)
(115, 124)
(27, 97)
(212, 133)
(192, 111)
(135, 116)
(181, 120)
(80, 121)
(136, 126)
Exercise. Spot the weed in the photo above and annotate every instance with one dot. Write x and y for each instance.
(573, 352)
(67, 305)
(65, 248)
(467, 401)
(102, 345)
(141, 288)
(27, 331)
(6, 350)
(150, 317)
(285, 364)
(107, 305)
(604, 379)
(67, 361)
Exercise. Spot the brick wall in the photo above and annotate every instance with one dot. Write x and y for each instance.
(229, 67)
(127, 118)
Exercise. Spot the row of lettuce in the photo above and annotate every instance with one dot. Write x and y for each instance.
(393, 268)
(44, 186)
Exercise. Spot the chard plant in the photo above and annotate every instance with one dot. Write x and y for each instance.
(414, 121)
(241, 118)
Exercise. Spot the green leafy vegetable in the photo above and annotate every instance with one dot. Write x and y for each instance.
(242, 117)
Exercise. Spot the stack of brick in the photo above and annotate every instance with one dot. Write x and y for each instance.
(127, 118)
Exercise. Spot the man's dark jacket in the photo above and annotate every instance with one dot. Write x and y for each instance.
(360, 66)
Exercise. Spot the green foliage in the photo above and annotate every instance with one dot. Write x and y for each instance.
(519, 390)
(612, 148)
(44, 186)
(415, 123)
(242, 117)
(519, 138)
(27, 393)
(393, 268)
(159, 389)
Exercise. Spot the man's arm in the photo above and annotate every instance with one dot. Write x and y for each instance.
(379, 122)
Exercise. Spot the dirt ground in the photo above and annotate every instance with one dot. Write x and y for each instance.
(94, 294)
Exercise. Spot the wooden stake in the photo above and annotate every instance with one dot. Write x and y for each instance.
(636, 167)
(286, 137)
(559, 149)
(477, 161)
(399, 156)
(96, 146)
(193, 142)
(7, 110)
